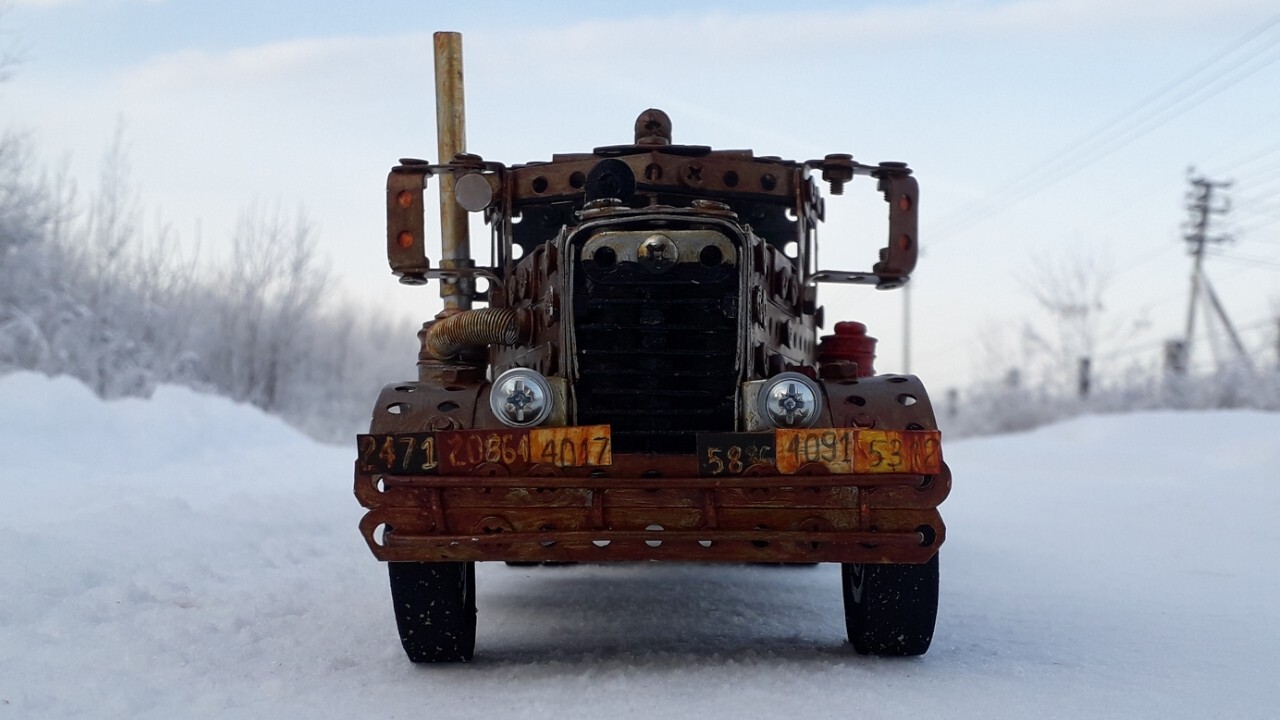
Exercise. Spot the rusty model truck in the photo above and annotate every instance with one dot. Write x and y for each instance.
(646, 382)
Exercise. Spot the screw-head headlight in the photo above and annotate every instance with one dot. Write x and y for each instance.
(521, 397)
(790, 400)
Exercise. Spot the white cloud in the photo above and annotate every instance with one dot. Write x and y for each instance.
(658, 49)
(254, 65)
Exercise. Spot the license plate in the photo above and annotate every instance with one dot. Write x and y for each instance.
(852, 450)
(841, 450)
(731, 453)
(452, 451)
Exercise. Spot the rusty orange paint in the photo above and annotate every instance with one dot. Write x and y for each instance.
(896, 451)
(859, 451)
(832, 447)
(585, 446)
(519, 449)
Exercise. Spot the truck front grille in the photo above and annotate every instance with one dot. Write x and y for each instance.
(656, 353)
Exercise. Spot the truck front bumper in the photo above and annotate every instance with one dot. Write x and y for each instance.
(647, 507)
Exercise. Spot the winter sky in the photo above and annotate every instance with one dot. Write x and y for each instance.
(1024, 120)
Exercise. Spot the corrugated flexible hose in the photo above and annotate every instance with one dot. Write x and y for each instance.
(473, 328)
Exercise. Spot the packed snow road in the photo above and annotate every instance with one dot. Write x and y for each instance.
(185, 557)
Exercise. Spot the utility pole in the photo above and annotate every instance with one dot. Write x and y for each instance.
(1202, 208)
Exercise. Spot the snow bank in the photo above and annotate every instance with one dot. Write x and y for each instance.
(187, 557)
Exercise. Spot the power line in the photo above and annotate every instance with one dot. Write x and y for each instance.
(1268, 173)
(1245, 260)
(1255, 155)
(1264, 323)
(1146, 257)
(1188, 101)
(1106, 139)
(1263, 202)
(1268, 220)
(1269, 122)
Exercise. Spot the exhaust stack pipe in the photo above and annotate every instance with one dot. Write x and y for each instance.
(451, 140)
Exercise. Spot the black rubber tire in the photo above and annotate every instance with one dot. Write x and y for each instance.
(435, 607)
(890, 610)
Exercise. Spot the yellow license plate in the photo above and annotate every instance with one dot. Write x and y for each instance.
(853, 450)
(452, 451)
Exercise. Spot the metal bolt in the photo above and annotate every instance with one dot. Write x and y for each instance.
(519, 398)
(837, 169)
(792, 404)
(792, 401)
(657, 253)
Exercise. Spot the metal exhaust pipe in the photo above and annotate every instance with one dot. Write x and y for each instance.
(451, 140)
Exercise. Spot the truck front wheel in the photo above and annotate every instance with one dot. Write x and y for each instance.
(435, 606)
(890, 610)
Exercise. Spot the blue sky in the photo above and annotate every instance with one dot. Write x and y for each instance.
(308, 103)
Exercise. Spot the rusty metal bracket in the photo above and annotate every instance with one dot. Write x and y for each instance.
(901, 192)
(406, 226)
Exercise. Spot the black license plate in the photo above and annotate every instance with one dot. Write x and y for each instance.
(732, 453)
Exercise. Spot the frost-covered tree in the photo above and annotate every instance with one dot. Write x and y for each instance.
(25, 217)
(92, 289)
(1070, 291)
(269, 307)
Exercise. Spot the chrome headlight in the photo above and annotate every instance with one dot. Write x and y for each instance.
(790, 400)
(521, 397)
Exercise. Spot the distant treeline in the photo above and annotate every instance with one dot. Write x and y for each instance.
(1009, 405)
(88, 289)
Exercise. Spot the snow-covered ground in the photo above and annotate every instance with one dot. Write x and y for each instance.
(185, 557)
